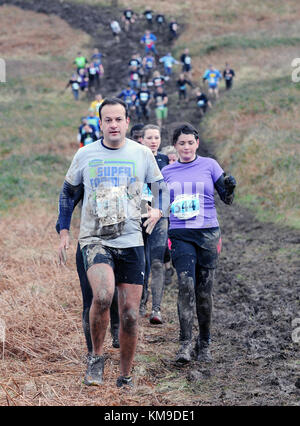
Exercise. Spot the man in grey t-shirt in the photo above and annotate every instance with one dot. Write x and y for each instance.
(113, 171)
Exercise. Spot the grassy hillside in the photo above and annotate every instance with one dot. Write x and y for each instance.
(254, 130)
(38, 123)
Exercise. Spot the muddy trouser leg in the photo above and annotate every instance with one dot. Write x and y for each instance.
(114, 314)
(184, 258)
(157, 245)
(204, 301)
(87, 297)
(185, 268)
(144, 298)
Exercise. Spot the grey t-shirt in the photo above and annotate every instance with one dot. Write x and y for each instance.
(113, 180)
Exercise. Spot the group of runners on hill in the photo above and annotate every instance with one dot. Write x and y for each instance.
(142, 210)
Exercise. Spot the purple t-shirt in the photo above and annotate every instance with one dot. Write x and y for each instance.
(191, 187)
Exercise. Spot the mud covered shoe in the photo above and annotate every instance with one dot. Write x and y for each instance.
(155, 317)
(203, 352)
(143, 310)
(184, 353)
(94, 372)
(123, 381)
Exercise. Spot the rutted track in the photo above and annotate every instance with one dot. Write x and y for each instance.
(256, 295)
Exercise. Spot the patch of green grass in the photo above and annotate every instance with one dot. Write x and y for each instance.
(264, 153)
(241, 42)
(29, 177)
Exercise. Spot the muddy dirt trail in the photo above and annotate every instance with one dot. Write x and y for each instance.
(256, 295)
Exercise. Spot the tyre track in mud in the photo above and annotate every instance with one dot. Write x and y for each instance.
(256, 295)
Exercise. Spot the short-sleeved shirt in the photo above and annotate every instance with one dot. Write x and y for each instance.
(160, 19)
(113, 180)
(144, 96)
(191, 187)
(128, 13)
(213, 77)
(159, 98)
(158, 81)
(228, 74)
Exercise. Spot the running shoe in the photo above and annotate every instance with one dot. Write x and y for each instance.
(94, 372)
(155, 317)
(143, 309)
(202, 351)
(115, 339)
(184, 353)
(123, 381)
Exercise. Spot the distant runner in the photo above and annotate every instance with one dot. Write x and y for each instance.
(168, 61)
(149, 40)
(116, 30)
(80, 61)
(186, 61)
(181, 84)
(144, 99)
(149, 17)
(129, 97)
(212, 76)
(73, 82)
(128, 18)
(173, 29)
(202, 101)
(160, 22)
(228, 75)
(161, 102)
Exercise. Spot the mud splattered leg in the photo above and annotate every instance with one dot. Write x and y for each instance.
(157, 283)
(204, 304)
(129, 301)
(185, 306)
(102, 281)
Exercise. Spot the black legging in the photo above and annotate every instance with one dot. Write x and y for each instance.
(195, 286)
(87, 297)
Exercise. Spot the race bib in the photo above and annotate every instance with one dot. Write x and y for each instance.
(144, 97)
(187, 60)
(111, 204)
(88, 140)
(186, 206)
(201, 103)
(75, 86)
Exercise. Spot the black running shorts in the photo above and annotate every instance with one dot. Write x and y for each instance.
(128, 264)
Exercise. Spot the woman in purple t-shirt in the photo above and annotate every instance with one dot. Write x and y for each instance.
(195, 235)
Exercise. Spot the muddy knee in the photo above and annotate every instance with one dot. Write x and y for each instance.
(186, 292)
(156, 267)
(102, 299)
(129, 321)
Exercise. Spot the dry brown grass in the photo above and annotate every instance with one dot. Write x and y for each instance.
(29, 34)
(40, 303)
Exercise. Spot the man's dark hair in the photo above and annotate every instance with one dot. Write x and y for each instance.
(113, 101)
(136, 128)
(186, 129)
